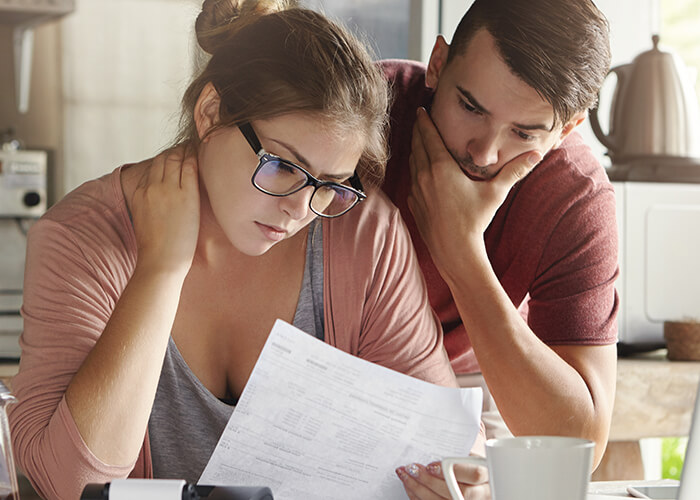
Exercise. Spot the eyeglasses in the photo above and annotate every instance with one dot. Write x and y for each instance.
(278, 177)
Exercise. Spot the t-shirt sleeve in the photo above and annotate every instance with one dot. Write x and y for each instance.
(65, 310)
(573, 299)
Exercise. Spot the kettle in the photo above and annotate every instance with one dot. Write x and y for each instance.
(654, 112)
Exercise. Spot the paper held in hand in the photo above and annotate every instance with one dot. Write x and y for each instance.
(314, 422)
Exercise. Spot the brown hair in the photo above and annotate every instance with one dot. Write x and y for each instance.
(269, 58)
(560, 48)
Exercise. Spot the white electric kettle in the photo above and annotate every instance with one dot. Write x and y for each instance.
(654, 112)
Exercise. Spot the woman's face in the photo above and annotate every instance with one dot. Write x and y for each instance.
(252, 220)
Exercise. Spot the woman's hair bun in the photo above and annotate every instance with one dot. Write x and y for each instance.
(220, 18)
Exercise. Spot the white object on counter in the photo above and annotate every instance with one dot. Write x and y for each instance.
(146, 489)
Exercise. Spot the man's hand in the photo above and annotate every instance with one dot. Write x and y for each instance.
(427, 482)
(450, 209)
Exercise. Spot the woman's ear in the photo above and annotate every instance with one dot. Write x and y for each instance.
(206, 111)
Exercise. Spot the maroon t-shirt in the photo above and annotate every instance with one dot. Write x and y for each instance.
(552, 244)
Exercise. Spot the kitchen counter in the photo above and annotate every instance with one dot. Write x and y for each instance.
(655, 397)
(8, 370)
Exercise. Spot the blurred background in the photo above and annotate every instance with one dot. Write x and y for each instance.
(96, 83)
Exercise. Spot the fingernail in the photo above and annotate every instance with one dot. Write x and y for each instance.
(534, 158)
(435, 469)
(401, 472)
(413, 470)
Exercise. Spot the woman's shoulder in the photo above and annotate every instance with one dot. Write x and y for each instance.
(370, 230)
(376, 213)
(99, 195)
(92, 215)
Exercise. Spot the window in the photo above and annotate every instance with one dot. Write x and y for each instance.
(679, 30)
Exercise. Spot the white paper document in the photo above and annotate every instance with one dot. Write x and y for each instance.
(317, 423)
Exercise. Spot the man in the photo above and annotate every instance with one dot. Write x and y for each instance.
(520, 262)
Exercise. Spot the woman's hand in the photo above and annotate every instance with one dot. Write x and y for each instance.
(110, 415)
(427, 482)
(165, 212)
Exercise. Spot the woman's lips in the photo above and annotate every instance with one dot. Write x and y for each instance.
(272, 233)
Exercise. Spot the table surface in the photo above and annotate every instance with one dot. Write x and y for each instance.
(646, 385)
(654, 397)
(618, 488)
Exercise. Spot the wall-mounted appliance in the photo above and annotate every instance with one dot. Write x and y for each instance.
(24, 16)
(23, 190)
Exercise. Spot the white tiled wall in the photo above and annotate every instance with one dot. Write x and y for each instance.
(126, 64)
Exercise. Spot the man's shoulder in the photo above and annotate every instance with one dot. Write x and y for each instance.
(572, 167)
(403, 71)
(407, 81)
(569, 182)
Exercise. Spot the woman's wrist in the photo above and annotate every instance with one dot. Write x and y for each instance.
(161, 270)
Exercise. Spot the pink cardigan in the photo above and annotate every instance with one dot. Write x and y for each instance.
(80, 257)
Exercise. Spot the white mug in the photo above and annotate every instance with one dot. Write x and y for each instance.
(531, 468)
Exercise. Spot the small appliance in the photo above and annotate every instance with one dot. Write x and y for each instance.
(654, 114)
(659, 254)
(171, 489)
(654, 144)
(23, 193)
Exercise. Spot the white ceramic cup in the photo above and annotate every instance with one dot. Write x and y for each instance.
(531, 468)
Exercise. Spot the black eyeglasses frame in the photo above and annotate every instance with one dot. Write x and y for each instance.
(264, 157)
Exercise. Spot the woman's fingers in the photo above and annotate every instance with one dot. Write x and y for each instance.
(464, 473)
(428, 483)
(416, 482)
(165, 211)
(188, 173)
(173, 166)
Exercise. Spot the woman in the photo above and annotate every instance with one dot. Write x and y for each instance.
(150, 292)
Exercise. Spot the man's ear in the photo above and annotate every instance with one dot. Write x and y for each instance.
(569, 127)
(437, 62)
(206, 111)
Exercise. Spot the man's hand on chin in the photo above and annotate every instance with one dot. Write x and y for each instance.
(452, 210)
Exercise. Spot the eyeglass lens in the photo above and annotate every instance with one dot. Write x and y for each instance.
(280, 178)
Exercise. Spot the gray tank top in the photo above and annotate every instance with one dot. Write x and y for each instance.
(187, 420)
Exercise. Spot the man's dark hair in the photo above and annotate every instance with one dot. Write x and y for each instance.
(560, 48)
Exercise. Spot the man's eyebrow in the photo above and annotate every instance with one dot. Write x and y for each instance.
(299, 158)
(472, 100)
(539, 126)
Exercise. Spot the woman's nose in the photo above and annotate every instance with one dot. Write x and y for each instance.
(296, 205)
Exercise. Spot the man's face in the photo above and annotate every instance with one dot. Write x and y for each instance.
(485, 114)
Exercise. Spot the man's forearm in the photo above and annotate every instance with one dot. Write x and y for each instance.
(537, 390)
